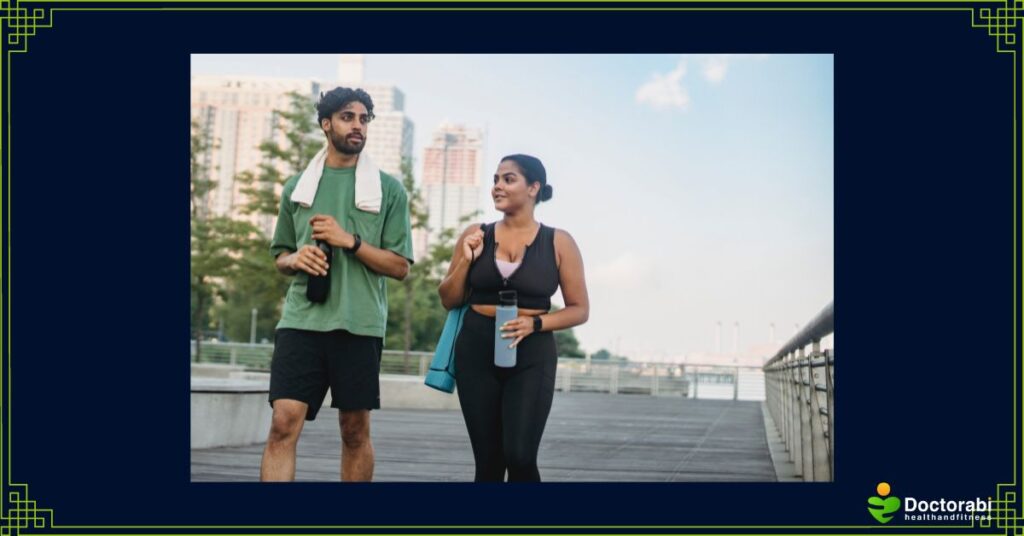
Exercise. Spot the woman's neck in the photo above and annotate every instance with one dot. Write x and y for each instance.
(519, 221)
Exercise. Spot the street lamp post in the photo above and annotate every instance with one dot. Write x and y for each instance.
(252, 326)
(444, 180)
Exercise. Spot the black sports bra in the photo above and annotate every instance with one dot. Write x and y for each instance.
(535, 281)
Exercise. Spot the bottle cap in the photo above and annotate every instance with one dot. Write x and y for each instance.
(508, 297)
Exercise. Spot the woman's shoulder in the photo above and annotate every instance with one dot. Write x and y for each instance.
(558, 234)
(562, 238)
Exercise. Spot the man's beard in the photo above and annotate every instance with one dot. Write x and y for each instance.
(344, 147)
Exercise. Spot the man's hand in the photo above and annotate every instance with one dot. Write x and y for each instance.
(309, 259)
(327, 229)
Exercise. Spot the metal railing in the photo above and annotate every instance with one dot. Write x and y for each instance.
(573, 374)
(800, 395)
(582, 376)
(256, 357)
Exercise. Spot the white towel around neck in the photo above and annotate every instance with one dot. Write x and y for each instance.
(368, 189)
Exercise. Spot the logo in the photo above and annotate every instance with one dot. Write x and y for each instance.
(883, 506)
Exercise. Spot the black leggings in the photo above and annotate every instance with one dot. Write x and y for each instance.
(505, 408)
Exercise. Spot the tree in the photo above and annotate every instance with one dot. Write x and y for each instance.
(605, 355)
(421, 316)
(568, 345)
(202, 143)
(255, 283)
(418, 218)
(213, 239)
(281, 161)
(565, 339)
(200, 269)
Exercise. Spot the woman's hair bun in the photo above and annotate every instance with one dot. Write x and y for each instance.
(545, 192)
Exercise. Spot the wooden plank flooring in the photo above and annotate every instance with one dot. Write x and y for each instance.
(589, 438)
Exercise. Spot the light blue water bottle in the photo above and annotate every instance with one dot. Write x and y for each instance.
(508, 309)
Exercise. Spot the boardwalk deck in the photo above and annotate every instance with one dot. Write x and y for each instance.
(589, 437)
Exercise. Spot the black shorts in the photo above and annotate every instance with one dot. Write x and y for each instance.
(306, 363)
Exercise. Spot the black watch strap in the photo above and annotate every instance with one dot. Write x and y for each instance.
(538, 324)
(355, 247)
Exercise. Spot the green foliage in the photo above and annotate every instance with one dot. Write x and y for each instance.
(415, 315)
(565, 339)
(232, 272)
(202, 269)
(568, 345)
(281, 161)
(605, 355)
(201, 184)
(256, 284)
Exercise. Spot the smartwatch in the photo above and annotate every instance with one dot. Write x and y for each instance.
(537, 324)
(355, 247)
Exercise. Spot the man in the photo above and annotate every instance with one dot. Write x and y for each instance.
(335, 344)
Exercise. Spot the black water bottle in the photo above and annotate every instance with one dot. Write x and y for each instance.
(320, 285)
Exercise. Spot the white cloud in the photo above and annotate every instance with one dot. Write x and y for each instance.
(715, 68)
(665, 91)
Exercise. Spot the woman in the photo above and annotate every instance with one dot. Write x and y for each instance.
(506, 408)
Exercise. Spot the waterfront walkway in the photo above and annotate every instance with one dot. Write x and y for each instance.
(589, 438)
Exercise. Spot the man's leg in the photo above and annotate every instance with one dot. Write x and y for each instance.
(279, 455)
(356, 447)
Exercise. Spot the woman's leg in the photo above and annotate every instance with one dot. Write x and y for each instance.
(480, 395)
(526, 403)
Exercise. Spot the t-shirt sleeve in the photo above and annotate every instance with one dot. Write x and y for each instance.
(284, 230)
(397, 235)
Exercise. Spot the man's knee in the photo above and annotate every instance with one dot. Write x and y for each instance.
(355, 428)
(287, 421)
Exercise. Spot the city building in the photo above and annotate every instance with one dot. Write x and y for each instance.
(238, 113)
(452, 171)
(391, 134)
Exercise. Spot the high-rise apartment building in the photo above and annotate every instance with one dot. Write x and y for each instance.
(238, 113)
(391, 134)
(452, 171)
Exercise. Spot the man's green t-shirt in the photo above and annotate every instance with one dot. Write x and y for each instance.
(358, 300)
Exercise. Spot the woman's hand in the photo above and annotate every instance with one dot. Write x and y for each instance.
(473, 245)
(519, 328)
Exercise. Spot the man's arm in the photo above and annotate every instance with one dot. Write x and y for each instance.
(283, 262)
(308, 258)
(282, 245)
(382, 261)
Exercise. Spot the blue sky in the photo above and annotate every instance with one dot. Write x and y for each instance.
(698, 187)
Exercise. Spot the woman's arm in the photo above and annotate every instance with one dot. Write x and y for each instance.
(573, 284)
(467, 248)
(574, 292)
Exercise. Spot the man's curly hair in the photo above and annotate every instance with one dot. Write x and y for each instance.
(337, 98)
